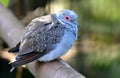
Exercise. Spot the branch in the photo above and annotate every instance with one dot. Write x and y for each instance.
(11, 30)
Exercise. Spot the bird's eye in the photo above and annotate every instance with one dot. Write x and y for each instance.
(67, 18)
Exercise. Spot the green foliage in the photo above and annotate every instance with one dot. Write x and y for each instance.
(100, 61)
(106, 9)
(103, 9)
(5, 2)
(99, 16)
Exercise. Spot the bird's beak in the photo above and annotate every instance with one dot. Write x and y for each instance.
(76, 23)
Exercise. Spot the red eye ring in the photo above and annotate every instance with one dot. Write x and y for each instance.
(67, 18)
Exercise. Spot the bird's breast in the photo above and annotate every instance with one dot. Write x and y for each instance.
(68, 39)
(60, 48)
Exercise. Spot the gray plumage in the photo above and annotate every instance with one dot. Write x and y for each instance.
(47, 38)
(41, 36)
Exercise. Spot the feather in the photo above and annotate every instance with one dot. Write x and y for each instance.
(14, 49)
(27, 58)
(47, 38)
(41, 35)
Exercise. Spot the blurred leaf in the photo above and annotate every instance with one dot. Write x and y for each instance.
(106, 9)
(100, 61)
(5, 2)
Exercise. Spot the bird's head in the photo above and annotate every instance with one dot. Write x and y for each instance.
(68, 18)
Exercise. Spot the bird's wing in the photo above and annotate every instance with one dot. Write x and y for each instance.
(40, 22)
(14, 49)
(27, 58)
(36, 32)
(38, 41)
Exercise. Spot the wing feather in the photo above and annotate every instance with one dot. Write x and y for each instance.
(14, 49)
(26, 59)
(40, 37)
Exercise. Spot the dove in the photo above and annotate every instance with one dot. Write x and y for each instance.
(46, 38)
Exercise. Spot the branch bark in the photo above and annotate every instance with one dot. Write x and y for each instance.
(11, 30)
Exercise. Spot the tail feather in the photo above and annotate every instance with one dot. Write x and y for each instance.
(14, 49)
(27, 58)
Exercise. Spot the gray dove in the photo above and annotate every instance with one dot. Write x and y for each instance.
(46, 38)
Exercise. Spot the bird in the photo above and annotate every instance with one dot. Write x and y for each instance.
(46, 38)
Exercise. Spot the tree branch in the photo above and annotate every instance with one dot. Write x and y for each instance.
(11, 30)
